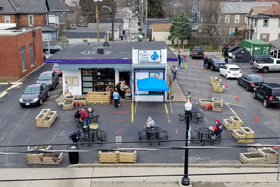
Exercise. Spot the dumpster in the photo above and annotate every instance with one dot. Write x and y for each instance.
(228, 52)
(73, 156)
(240, 55)
(256, 47)
(121, 37)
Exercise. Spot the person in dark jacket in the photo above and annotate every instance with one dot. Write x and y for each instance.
(218, 129)
(205, 64)
(226, 60)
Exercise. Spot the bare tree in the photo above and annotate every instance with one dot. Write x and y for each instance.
(210, 12)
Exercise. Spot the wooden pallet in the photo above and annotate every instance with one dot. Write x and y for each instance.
(236, 120)
(46, 158)
(255, 158)
(269, 153)
(94, 98)
(248, 131)
(48, 119)
(237, 134)
(68, 106)
(128, 156)
(108, 157)
(42, 115)
(204, 102)
(229, 125)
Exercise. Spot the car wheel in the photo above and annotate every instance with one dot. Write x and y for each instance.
(265, 103)
(265, 70)
(254, 94)
(247, 87)
(40, 102)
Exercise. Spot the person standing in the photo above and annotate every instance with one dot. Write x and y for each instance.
(205, 60)
(85, 116)
(116, 97)
(179, 58)
(66, 87)
(189, 97)
(226, 60)
(174, 71)
(123, 87)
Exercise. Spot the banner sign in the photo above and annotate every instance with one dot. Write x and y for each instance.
(149, 56)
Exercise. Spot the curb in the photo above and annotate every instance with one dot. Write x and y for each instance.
(177, 165)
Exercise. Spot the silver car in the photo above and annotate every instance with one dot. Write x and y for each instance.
(50, 78)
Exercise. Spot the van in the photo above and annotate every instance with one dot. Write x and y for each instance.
(260, 58)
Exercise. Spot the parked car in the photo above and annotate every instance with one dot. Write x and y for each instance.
(34, 95)
(215, 64)
(50, 78)
(55, 67)
(273, 64)
(230, 71)
(250, 81)
(260, 58)
(197, 52)
(268, 93)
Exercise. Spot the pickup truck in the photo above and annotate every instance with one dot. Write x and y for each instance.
(272, 64)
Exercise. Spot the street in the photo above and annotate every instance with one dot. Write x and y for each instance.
(18, 124)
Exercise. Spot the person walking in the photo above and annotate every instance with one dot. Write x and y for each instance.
(226, 60)
(116, 97)
(205, 60)
(174, 71)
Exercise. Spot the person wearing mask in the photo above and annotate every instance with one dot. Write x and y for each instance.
(85, 117)
(174, 71)
(116, 97)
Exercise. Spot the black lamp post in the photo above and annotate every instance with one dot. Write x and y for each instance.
(185, 180)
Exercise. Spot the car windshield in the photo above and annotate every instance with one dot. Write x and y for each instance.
(234, 69)
(256, 79)
(276, 91)
(32, 90)
(45, 77)
(55, 65)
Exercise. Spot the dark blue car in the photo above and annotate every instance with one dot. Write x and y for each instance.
(215, 64)
(34, 95)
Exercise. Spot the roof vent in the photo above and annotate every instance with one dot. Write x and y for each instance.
(100, 51)
(106, 44)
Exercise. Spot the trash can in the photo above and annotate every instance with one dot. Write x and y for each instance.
(121, 37)
(123, 31)
(73, 156)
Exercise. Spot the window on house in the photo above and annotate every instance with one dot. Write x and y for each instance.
(256, 22)
(22, 52)
(7, 19)
(30, 20)
(231, 31)
(31, 54)
(265, 22)
(236, 20)
(246, 19)
(227, 18)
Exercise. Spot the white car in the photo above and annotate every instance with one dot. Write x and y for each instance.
(230, 71)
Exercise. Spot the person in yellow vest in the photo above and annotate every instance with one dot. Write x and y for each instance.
(189, 97)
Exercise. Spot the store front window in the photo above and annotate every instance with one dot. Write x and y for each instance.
(96, 80)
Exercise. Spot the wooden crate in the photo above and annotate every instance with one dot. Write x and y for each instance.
(218, 81)
(217, 107)
(217, 100)
(248, 131)
(68, 105)
(229, 125)
(204, 102)
(239, 134)
(108, 157)
(254, 149)
(127, 156)
(46, 158)
(252, 158)
(212, 80)
(48, 121)
(236, 120)
(94, 98)
(37, 157)
(41, 116)
(221, 88)
(269, 153)
(215, 87)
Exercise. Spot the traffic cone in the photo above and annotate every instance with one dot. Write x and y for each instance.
(198, 66)
(226, 85)
(237, 98)
(261, 75)
(256, 118)
(205, 70)
(276, 147)
(193, 62)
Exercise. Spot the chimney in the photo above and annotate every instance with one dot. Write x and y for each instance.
(100, 51)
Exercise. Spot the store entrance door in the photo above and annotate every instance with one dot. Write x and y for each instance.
(125, 75)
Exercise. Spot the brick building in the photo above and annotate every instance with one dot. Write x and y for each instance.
(20, 52)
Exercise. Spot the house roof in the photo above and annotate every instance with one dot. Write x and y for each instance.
(257, 10)
(151, 21)
(273, 11)
(8, 7)
(30, 6)
(241, 7)
(57, 5)
(104, 26)
(275, 43)
(85, 34)
(161, 27)
(115, 50)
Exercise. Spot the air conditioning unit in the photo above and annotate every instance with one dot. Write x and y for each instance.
(73, 25)
(56, 25)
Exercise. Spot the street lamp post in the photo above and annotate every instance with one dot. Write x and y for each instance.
(185, 180)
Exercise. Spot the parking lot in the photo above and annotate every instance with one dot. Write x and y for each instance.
(18, 124)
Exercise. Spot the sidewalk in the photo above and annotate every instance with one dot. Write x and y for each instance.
(123, 172)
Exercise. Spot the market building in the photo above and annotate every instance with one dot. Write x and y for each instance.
(91, 67)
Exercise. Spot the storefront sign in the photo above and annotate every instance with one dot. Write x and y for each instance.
(149, 56)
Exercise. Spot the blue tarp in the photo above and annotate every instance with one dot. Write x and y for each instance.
(152, 84)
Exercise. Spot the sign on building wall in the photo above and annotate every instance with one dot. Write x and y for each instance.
(72, 81)
(149, 56)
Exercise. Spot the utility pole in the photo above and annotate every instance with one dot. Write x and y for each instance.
(97, 22)
(146, 20)
(113, 20)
